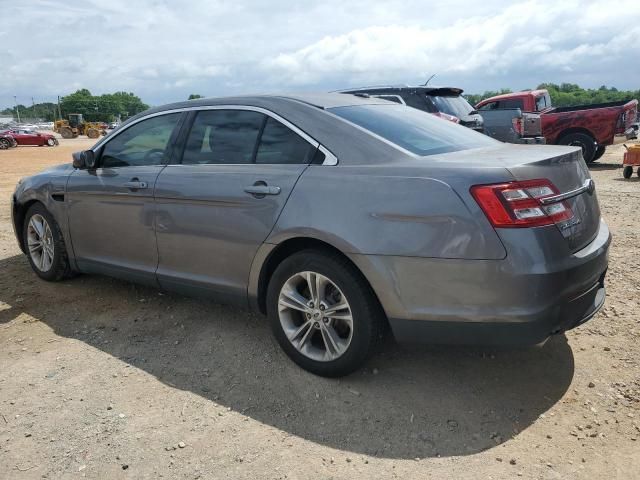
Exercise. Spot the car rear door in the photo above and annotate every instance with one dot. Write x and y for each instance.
(111, 208)
(221, 201)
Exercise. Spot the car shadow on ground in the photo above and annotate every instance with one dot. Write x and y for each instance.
(406, 403)
(604, 166)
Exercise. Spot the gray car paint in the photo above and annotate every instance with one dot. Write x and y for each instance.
(407, 222)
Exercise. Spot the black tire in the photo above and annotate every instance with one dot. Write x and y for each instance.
(628, 171)
(60, 267)
(5, 144)
(599, 152)
(368, 317)
(582, 140)
(51, 142)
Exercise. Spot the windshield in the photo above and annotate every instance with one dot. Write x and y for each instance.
(456, 106)
(412, 129)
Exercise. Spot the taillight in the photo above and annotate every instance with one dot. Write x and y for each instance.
(517, 125)
(518, 204)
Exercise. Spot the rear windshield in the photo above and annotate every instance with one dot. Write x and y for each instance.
(414, 130)
(456, 106)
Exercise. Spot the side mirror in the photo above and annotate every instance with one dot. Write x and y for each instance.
(85, 159)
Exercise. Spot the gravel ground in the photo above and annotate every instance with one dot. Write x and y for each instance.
(104, 379)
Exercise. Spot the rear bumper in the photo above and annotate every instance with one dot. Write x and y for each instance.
(532, 140)
(521, 300)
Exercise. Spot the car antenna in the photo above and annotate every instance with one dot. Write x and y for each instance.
(427, 82)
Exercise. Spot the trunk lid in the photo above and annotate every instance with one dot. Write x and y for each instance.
(567, 170)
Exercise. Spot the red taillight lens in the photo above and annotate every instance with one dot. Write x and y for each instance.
(517, 125)
(517, 204)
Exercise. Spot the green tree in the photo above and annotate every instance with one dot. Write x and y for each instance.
(105, 107)
(194, 96)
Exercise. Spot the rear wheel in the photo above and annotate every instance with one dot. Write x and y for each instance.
(599, 152)
(628, 171)
(5, 144)
(93, 133)
(582, 140)
(323, 313)
(45, 245)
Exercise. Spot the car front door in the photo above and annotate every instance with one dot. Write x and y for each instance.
(221, 201)
(111, 208)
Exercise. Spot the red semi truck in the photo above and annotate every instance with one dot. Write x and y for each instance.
(591, 127)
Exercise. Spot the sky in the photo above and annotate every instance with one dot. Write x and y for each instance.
(164, 50)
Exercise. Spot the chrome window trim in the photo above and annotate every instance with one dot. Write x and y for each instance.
(330, 158)
(587, 186)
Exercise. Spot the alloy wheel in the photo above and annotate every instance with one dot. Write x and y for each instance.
(315, 316)
(40, 243)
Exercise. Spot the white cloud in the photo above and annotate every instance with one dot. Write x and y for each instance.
(163, 50)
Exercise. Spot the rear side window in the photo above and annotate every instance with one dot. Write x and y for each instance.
(223, 137)
(280, 144)
(542, 102)
(419, 132)
(511, 103)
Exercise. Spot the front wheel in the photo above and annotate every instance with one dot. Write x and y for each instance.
(323, 313)
(45, 245)
(51, 142)
(5, 144)
(628, 171)
(584, 141)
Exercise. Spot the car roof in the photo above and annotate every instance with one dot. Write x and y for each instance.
(318, 100)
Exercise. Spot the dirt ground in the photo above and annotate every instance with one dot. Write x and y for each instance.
(104, 379)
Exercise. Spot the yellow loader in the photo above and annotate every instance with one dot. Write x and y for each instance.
(77, 126)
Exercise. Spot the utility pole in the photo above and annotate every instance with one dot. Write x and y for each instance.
(15, 99)
(59, 111)
(33, 109)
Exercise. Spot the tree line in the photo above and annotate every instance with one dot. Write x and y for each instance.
(569, 94)
(106, 107)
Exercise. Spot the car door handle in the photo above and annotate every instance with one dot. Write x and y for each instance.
(262, 190)
(135, 184)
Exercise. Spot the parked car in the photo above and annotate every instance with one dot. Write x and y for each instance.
(444, 102)
(30, 137)
(7, 141)
(334, 215)
(591, 127)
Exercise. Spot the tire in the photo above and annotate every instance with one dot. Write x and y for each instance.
(51, 142)
(66, 132)
(586, 142)
(5, 144)
(628, 171)
(600, 149)
(93, 133)
(58, 267)
(342, 282)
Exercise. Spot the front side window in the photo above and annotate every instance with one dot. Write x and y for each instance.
(144, 143)
(414, 130)
(542, 102)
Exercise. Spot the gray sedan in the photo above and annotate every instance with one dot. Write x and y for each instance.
(334, 215)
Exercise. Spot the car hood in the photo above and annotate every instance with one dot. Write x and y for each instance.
(65, 167)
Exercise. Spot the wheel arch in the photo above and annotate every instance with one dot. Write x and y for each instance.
(19, 212)
(573, 130)
(284, 250)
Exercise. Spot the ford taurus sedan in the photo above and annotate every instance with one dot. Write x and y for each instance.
(334, 215)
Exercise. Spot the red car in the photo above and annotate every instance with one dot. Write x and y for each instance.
(29, 137)
(7, 141)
